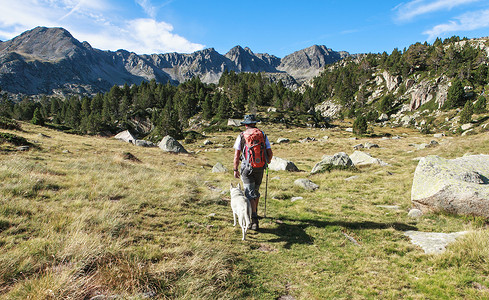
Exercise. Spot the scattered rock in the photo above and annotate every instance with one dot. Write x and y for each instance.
(466, 126)
(360, 158)
(280, 164)
(125, 136)
(219, 168)
(234, 122)
(457, 186)
(339, 159)
(42, 135)
(208, 142)
(433, 242)
(169, 144)
(282, 140)
(369, 145)
(383, 117)
(358, 147)
(293, 199)
(439, 135)
(144, 143)
(351, 178)
(391, 207)
(307, 140)
(415, 213)
(324, 138)
(468, 132)
(66, 151)
(350, 129)
(23, 148)
(306, 184)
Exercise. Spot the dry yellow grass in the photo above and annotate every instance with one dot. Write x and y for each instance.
(79, 219)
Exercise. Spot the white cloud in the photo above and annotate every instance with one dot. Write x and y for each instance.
(412, 9)
(93, 21)
(148, 8)
(466, 22)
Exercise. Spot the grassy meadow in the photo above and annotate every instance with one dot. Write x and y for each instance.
(80, 218)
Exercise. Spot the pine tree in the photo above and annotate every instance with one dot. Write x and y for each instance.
(466, 113)
(207, 111)
(37, 119)
(360, 125)
(480, 105)
(224, 109)
(455, 95)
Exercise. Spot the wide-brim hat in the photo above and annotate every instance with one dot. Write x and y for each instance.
(249, 119)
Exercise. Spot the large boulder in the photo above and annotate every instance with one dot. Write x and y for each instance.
(125, 136)
(360, 158)
(169, 144)
(457, 186)
(280, 164)
(340, 159)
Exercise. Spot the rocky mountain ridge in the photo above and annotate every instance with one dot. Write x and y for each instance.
(51, 61)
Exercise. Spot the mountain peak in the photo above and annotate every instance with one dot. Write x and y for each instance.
(43, 43)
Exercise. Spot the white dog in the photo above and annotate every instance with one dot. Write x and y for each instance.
(241, 207)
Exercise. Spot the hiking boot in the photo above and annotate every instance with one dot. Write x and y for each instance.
(254, 223)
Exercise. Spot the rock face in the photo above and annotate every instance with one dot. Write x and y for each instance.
(51, 60)
(280, 164)
(457, 186)
(169, 144)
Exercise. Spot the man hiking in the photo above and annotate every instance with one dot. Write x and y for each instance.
(253, 149)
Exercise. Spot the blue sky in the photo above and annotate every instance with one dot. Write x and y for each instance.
(274, 27)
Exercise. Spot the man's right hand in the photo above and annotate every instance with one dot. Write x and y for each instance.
(236, 174)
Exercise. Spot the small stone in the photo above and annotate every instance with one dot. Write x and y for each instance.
(219, 168)
(306, 184)
(351, 178)
(282, 140)
(296, 198)
(415, 213)
(23, 148)
(208, 142)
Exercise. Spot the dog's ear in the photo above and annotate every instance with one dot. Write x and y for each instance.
(239, 185)
(231, 185)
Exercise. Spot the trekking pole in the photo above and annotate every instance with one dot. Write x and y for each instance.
(266, 192)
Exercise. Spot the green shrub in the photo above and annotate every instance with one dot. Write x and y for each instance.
(13, 139)
(6, 123)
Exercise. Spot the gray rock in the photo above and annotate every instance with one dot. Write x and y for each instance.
(280, 164)
(466, 126)
(369, 145)
(351, 178)
(339, 159)
(349, 129)
(169, 144)
(208, 142)
(360, 158)
(219, 168)
(125, 136)
(293, 199)
(143, 143)
(307, 140)
(391, 207)
(433, 242)
(383, 117)
(457, 186)
(358, 147)
(415, 213)
(23, 148)
(234, 122)
(438, 135)
(306, 184)
(282, 140)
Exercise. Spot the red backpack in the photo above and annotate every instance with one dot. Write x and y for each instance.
(253, 147)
